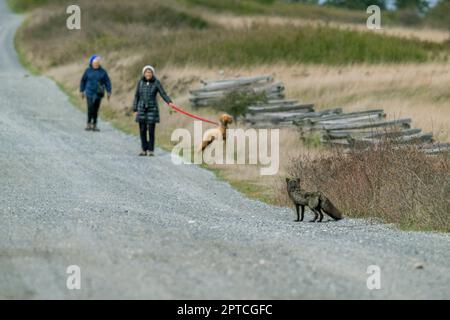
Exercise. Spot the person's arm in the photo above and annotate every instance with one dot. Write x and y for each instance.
(136, 97)
(83, 83)
(107, 83)
(163, 93)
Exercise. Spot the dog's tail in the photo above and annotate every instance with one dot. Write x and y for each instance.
(329, 208)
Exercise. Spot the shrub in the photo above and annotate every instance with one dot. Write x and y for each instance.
(438, 16)
(409, 17)
(236, 102)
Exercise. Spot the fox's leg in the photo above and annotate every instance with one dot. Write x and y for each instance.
(315, 215)
(298, 214)
(320, 215)
(303, 213)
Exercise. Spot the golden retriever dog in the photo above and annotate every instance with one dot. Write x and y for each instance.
(216, 133)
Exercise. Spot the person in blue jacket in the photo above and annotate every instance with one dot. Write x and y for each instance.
(93, 84)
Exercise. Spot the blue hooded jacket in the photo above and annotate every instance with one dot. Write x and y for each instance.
(91, 80)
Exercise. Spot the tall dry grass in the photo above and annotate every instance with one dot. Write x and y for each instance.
(241, 22)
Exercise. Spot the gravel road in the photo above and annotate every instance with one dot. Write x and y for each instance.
(142, 227)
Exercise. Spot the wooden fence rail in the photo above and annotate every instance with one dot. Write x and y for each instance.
(357, 129)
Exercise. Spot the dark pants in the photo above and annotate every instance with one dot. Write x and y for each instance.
(93, 104)
(147, 142)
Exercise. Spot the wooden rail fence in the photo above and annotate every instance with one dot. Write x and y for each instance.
(356, 129)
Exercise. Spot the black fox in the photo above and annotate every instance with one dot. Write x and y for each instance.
(316, 201)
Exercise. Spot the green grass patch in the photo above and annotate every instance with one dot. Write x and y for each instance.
(313, 140)
(322, 45)
(246, 187)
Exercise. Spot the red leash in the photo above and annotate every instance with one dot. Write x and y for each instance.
(174, 107)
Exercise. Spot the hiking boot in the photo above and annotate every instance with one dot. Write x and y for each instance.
(88, 127)
(94, 128)
(142, 153)
(150, 153)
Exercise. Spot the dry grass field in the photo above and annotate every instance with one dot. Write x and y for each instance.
(239, 22)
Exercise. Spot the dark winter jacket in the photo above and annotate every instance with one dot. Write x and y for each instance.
(145, 103)
(95, 81)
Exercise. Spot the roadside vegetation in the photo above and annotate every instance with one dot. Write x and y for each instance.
(401, 186)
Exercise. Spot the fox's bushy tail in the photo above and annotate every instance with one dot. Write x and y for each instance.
(331, 210)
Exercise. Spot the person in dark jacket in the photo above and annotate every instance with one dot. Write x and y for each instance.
(146, 108)
(93, 84)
